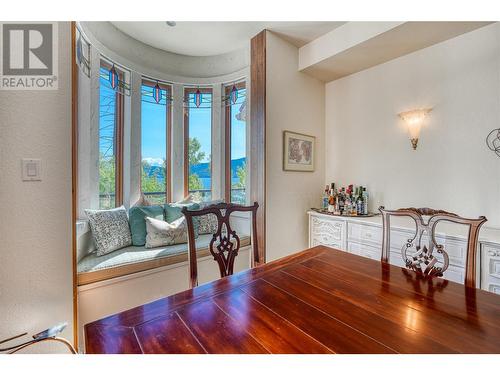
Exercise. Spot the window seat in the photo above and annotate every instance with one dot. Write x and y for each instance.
(92, 268)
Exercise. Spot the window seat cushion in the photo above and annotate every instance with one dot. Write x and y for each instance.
(132, 259)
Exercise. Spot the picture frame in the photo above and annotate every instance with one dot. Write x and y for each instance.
(298, 152)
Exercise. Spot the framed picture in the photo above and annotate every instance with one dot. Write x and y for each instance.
(298, 152)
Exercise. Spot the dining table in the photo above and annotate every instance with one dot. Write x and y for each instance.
(320, 300)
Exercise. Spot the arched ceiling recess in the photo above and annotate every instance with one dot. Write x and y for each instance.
(160, 64)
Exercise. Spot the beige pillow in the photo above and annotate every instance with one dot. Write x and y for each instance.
(161, 233)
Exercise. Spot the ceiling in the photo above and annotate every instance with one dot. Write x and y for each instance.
(216, 38)
(399, 39)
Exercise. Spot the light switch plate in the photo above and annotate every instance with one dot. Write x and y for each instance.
(31, 170)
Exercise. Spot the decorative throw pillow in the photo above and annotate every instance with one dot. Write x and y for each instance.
(137, 216)
(110, 229)
(173, 211)
(161, 233)
(207, 224)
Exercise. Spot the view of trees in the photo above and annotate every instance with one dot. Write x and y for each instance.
(195, 157)
(106, 181)
(153, 177)
(150, 182)
(241, 172)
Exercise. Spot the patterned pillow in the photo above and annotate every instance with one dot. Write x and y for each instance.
(110, 229)
(207, 224)
(161, 233)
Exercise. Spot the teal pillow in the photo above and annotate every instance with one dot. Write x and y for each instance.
(137, 219)
(173, 211)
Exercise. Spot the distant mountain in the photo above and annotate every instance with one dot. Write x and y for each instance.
(153, 170)
(235, 164)
(202, 169)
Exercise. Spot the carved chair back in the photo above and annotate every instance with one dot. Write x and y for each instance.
(225, 242)
(431, 259)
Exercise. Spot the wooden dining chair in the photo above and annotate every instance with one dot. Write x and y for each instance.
(225, 243)
(423, 259)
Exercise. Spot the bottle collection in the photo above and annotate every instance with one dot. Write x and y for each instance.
(346, 201)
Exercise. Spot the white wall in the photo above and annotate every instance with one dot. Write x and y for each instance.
(36, 287)
(452, 168)
(294, 102)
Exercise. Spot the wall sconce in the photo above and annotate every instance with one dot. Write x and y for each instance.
(414, 121)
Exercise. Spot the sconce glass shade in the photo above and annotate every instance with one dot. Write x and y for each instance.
(414, 120)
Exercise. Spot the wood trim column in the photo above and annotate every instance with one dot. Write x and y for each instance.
(227, 148)
(74, 176)
(258, 135)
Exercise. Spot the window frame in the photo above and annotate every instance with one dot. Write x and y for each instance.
(187, 91)
(119, 130)
(227, 143)
(168, 128)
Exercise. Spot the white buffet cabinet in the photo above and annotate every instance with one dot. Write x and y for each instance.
(363, 236)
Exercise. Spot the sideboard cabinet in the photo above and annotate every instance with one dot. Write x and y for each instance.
(363, 236)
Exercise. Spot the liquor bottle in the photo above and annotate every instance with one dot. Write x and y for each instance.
(354, 210)
(331, 201)
(336, 200)
(341, 201)
(365, 201)
(325, 198)
(359, 204)
(348, 202)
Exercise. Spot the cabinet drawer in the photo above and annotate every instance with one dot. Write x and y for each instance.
(364, 250)
(396, 259)
(454, 273)
(490, 268)
(494, 288)
(456, 250)
(327, 232)
(364, 233)
(326, 242)
(493, 265)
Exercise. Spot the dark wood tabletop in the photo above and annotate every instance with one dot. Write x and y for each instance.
(318, 301)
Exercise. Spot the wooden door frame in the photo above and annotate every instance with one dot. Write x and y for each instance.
(258, 135)
(74, 176)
